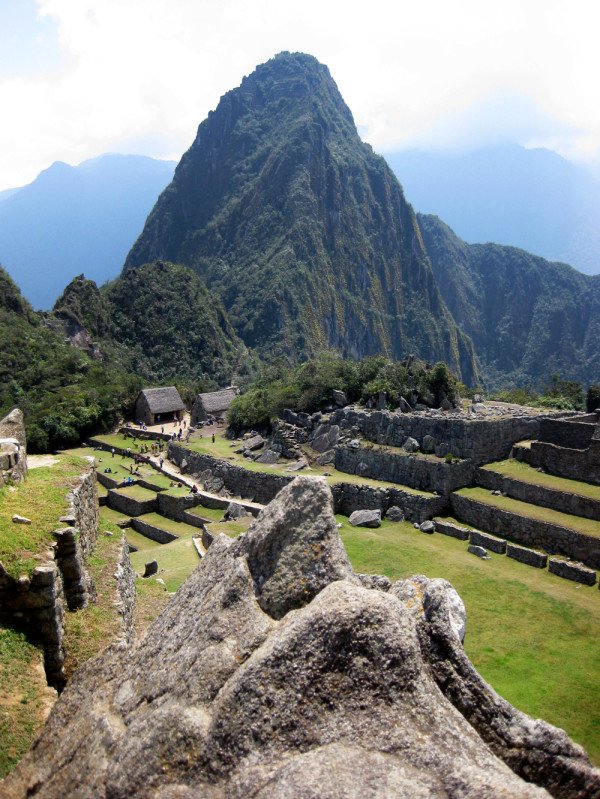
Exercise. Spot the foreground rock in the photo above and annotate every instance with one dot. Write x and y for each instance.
(277, 672)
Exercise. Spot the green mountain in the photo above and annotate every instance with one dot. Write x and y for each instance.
(528, 317)
(64, 393)
(300, 228)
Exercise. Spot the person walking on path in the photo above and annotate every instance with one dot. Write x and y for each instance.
(112, 452)
(161, 461)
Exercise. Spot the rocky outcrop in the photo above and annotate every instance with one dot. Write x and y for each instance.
(276, 672)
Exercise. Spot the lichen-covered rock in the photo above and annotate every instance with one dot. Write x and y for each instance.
(277, 672)
(365, 518)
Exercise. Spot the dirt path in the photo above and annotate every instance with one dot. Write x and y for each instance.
(35, 461)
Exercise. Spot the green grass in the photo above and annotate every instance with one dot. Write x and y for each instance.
(517, 470)
(233, 528)
(119, 440)
(90, 630)
(577, 523)
(222, 449)
(110, 516)
(213, 514)
(24, 696)
(170, 525)
(137, 492)
(176, 561)
(139, 541)
(531, 635)
(42, 497)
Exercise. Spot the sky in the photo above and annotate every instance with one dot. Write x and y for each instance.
(83, 77)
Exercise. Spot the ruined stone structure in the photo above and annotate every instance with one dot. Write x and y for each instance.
(13, 448)
(276, 671)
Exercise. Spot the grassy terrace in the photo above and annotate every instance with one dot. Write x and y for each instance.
(170, 525)
(135, 491)
(213, 514)
(43, 499)
(24, 696)
(517, 470)
(532, 635)
(580, 525)
(224, 448)
(176, 561)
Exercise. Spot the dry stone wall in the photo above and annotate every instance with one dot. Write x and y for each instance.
(570, 433)
(564, 462)
(262, 487)
(562, 501)
(151, 531)
(417, 472)
(530, 532)
(13, 448)
(480, 440)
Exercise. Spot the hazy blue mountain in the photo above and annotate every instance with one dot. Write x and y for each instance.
(77, 219)
(533, 199)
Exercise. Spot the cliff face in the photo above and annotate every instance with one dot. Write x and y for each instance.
(277, 672)
(302, 230)
(527, 317)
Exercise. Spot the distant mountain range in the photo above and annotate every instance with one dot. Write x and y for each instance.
(528, 198)
(76, 219)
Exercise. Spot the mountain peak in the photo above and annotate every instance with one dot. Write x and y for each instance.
(301, 229)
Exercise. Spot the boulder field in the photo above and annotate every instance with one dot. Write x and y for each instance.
(276, 671)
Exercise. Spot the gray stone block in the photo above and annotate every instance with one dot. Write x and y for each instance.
(479, 551)
(572, 571)
(451, 529)
(488, 541)
(529, 556)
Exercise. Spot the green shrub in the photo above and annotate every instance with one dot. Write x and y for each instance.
(592, 401)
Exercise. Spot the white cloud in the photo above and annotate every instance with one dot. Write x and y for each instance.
(148, 71)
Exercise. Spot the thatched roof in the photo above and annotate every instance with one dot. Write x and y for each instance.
(217, 401)
(163, 400)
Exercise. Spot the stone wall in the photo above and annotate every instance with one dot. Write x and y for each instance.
(258, 487)
(13, 448)
(571, 433)
(125, 578)
(530, 532)
(348, 497)
(539, 495)
(481, 440)
(129, 505)
(572, 571)
(529, 556)
(36, 605)
(575, 464)
(424, 474)
(151, 531)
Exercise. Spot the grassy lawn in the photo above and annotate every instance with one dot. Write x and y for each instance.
(42, 497)
(517, 470)
(222, 448)
(139, 541)
(176, 561)
(137, 492)
(586, 526)
(530, 634)
(213, 514)
(233, 528)
(25, 699)
(170, 525)
(110, 516)
(119, 440)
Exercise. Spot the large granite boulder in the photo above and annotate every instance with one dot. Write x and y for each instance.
(365, 518)
(277, 672)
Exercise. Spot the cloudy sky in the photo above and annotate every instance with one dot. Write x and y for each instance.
(83, 77)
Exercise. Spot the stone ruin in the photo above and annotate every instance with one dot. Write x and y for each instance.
(276, 671)
(13, 448)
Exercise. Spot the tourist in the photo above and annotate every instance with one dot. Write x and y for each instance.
(194, 489)
(161, 461)
(112, 451)
(213, 438)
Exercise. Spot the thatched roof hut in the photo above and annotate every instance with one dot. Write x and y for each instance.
(155, 405)
(212, 403)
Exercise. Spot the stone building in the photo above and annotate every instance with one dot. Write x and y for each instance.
(156, 405)
(213, 403)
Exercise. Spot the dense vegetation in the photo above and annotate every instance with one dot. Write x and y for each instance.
(564, 395)
(528, 318)
(301, 229)
(310, 385)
